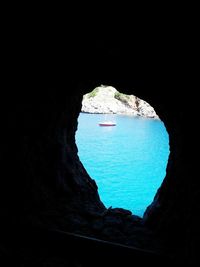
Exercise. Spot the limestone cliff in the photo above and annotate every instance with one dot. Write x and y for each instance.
(106, 99)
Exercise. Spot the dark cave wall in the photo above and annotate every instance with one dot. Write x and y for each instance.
(42, 180)
(40, 167)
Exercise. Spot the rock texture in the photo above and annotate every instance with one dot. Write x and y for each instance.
(43, 182)
(106, 99)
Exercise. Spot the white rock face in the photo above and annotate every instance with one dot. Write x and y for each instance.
(103, 100)
(146, 110)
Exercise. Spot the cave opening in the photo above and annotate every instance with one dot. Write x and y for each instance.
(128, 160)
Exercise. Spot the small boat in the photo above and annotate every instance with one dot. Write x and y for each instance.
(107, 123)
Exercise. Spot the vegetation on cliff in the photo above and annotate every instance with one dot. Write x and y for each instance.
(106, 99)
(93, 93)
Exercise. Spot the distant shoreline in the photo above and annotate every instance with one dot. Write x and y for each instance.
(122, 114)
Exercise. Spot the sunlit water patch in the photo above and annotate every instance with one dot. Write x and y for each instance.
(128, 161)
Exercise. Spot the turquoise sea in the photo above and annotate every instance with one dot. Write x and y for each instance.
(127, 161)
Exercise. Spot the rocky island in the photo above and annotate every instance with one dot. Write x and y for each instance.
(107, 100)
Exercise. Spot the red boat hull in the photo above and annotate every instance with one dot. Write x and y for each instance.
(107, 124)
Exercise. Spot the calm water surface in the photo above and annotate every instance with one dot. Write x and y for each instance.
(127, 161)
